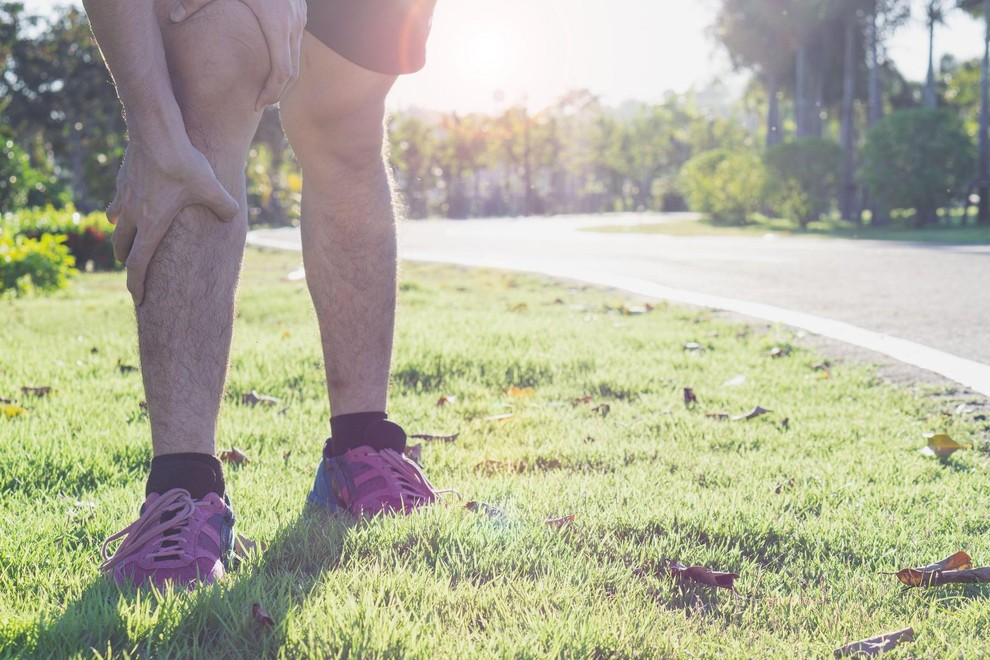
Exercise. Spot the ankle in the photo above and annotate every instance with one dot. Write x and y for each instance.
(200, 474)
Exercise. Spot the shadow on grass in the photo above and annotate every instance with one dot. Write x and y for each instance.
(107, 620)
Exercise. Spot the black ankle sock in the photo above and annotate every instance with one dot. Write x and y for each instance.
(368, 428)
(198, 473)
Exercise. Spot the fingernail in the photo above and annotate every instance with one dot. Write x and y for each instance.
(178, 13)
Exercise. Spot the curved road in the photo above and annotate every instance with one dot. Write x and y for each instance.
(926, 305)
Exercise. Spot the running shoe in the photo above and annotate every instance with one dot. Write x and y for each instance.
(176, 539)
(369, 481)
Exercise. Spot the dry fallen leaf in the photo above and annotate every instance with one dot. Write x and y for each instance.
(581, 400)
(435, 438)
(690, 398)
(561, 523)
(233, 456)
(719, 416)
(520, 307)
(487, 509)
(5, 400)
(700, 574)
(876, 645)
(414, 453)
(781, 486)
(520, 392)
(244, 547)
(446, 399)
(941, 445)
(12, 410)
(758, 411)
(635, 310)
(36, 391)
(252, 398)
(602, 409)
(928, 576)
(125, 368)
(260, 616)
(779, 352)
(694, 347)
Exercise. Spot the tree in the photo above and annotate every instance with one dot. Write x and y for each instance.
(982, 8)
(934, 14)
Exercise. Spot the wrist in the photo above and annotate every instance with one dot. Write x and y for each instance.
(153, 113)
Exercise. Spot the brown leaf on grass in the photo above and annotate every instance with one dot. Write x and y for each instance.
(260, 616)
(492, 466)
(561, 523)
(5, 400)
(38, 391)
(252, 398)
(824, 365)
(778, 352)
(445, 400)
(12, 410)
(694, 347)
(414, 453)
(519, 307)
(719, 416)
(690, 398)
(928, 576)
(876, 645)
(486, 509)
(700, 574)
(233, 456)
(520, 392)
(125, 368)
(636, 310)
(758, 411)
(941, 446)
(498, 418)
(581, 400)
(435, 438)
(602, 409)
(785, 485)
(244, 547)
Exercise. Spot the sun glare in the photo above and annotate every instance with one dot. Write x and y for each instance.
(487, 53)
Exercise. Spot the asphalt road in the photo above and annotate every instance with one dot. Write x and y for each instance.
(933, 296)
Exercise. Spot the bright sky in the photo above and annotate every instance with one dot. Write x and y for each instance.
(533, 51)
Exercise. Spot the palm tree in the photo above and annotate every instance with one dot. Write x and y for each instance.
(977, 8)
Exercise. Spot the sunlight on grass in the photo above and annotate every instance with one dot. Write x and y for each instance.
(807, 504)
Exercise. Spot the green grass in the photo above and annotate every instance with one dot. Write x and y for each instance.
(952, 231)
(651, 480)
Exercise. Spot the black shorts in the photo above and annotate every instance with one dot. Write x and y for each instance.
(388, 36)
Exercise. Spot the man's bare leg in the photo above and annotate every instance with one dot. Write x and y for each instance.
(333, 116)
(218, 61)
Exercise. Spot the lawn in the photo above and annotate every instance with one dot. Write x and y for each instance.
(807, 504)
(953, 231)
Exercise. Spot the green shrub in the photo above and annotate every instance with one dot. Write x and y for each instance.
(803, 178)
(918, 159)
(29, 264)
(86, 236)
(727, 185)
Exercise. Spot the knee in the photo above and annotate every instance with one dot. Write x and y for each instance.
(217, 59)
(345, 135)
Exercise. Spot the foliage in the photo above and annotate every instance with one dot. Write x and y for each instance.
(921, 159)
(34, 264)
(803, 178)
(87, 237)
(727, 185)
(21, 184)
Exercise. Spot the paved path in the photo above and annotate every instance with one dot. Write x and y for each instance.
(922, 304)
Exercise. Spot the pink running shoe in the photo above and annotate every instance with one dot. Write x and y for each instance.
(368, 481)
(176, 539)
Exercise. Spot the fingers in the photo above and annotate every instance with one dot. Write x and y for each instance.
(284, 65)
(122, 240)
(141, 253)
(113, 211)
(218, 200)
(182, 9)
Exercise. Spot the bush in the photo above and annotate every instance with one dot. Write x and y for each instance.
(803, 178)
(86, 236)
(28, 264)
(727, 185)
(20, 184)
(920, 159)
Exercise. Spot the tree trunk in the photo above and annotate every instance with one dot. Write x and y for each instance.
(928, 98)
(875, 100)
(801, 91)
(77, 157)
(847, 194)
(984, 166)
(774, 133)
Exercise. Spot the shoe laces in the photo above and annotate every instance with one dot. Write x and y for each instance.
(411, 480)
(163, 519)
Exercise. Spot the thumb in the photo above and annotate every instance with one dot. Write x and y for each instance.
(218, 200)
(181, 9)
